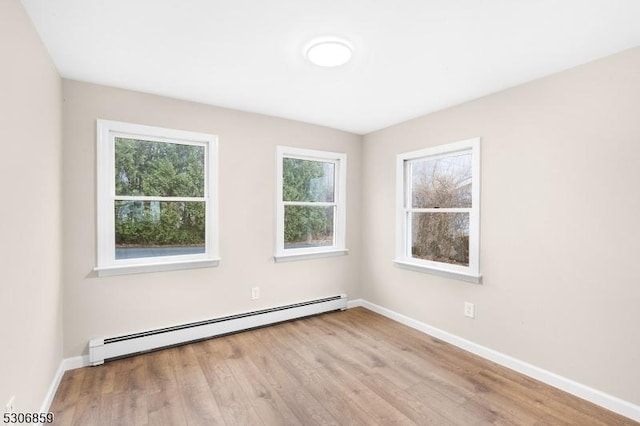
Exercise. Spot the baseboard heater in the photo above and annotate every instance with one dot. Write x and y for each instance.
(130, 344)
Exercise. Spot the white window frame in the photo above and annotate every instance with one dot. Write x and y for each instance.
(404, 209)
(107, 264)
(340, 199)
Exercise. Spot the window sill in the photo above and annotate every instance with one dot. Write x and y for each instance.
(304, 256)
(471, 278)
(107, 271)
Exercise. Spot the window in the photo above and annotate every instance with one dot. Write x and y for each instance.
(157, 199)
(311, 210)
(438, 210)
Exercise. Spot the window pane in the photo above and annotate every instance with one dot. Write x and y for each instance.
(306, 226)
(441, 182)
(158, 168)
(159, 228)
(305, 180)
(440, 237)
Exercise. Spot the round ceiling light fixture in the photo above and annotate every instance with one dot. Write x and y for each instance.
(328, 52)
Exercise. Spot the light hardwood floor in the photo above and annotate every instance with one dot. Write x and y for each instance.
(352, 367)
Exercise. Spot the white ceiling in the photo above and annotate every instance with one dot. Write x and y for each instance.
(411, 56)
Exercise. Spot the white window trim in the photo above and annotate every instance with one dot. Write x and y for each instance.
(340, 199)
(403, 258)
(107, 264)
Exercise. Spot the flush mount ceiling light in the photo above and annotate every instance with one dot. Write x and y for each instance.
(328, 52)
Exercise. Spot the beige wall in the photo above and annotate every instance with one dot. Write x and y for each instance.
(30, 228)
(97, 307)
(560, 241)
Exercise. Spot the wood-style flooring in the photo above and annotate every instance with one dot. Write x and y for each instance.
(344, 368)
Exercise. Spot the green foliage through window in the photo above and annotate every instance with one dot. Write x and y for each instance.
(159, 223)
(159, 169)
(308, 182)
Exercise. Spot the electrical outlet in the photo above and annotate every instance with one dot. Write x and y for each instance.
(255, 293)
(10, 407)
(469, 310)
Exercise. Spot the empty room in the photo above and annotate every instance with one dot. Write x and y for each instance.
(305, 213)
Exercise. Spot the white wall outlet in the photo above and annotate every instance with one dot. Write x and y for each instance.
(255, 293)
(11, 405)
(469, 310)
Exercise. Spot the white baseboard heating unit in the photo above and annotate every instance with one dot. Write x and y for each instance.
(130, 344)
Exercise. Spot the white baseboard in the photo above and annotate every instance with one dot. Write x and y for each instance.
(65, 365)
(355, 303)
(48, 399)
(76, 362)
(600, 398)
